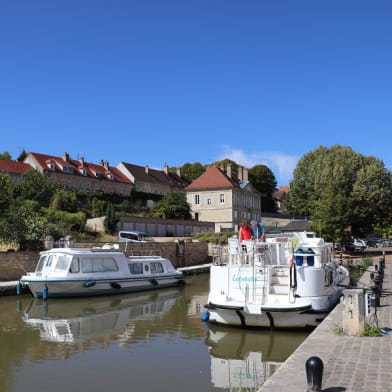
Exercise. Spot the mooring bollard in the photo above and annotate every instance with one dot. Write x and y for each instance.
(314, 374)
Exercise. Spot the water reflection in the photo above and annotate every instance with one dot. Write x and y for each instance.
(242, 360)
(77, 320)
(142, 341)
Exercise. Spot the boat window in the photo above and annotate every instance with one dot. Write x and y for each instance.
(49, 261)
(75, 267)
(98, 265)
(41, 263)
(62, 263)
(156, 268)
(136, 268)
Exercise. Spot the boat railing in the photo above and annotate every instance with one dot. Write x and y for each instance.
(144, 253)
(244, 253)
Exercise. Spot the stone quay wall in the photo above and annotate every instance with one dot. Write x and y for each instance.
(182, 254)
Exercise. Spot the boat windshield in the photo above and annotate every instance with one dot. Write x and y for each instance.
(41, 263)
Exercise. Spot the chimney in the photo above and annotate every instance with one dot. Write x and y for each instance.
(222, 168)
(146, 169)
(106, 165)
(81, 160)
(66, 157)
(101, 162)
(240, 173)
(178, 171)
(228, 170)
(166, 169)
(245, 174)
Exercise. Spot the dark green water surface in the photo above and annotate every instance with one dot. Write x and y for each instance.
(151, 341)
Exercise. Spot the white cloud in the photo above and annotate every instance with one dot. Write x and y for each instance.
(281, 164)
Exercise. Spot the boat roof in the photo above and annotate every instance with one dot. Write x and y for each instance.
(80, 251)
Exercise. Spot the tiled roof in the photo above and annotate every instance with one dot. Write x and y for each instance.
(13, 167)
(92, 170)
(281, 192)
(213, 177)
(284, 188)
(148, 175)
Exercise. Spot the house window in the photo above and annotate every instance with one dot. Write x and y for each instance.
(222, 198)
(68, 169)
(84, 172)
(196, 199)
(209, 202)
(51, 166)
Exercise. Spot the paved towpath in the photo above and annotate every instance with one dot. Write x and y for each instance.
(351, 364)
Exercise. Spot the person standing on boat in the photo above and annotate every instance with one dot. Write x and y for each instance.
(258, 230)
(245, 232)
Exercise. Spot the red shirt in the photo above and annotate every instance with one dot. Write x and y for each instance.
(245, 233)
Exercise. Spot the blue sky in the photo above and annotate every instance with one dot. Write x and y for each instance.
(153, 82)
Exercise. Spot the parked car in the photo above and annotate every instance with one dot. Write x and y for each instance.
(337, 245)
(374, 242)
(357, 245)
(134, 236)
(385, 242)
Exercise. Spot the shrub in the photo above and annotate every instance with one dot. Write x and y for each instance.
(214, 238)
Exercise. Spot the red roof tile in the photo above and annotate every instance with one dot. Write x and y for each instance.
(213, 177)
(91, 168)
(13, 166)
(148, 175)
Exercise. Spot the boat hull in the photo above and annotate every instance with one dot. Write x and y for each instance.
(87, 288)
(295, 318)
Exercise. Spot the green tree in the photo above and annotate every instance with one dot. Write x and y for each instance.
(98, 207)
(192, 170)
(262, 178)
(172, 206)
(64, 200)
(5, 156)
(110, 221)
(12, 225)
(35, 186)
(34, 222)
(225, 162)
(340, 190)
(7, 192)
(22, 156)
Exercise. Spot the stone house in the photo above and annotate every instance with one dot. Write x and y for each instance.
(224, 197)
(279, 197)
(81, 175)
(14, 169)
(157, 182)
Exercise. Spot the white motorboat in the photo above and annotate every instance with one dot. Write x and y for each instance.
(77, 272)
(289, 281)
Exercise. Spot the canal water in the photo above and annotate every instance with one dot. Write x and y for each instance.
(151, 341)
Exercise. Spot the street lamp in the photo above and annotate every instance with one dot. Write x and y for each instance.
(319, 227)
